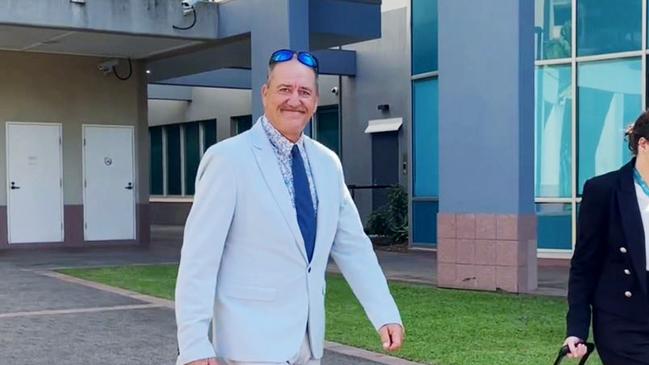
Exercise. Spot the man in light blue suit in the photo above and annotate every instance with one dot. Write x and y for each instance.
(270, 207)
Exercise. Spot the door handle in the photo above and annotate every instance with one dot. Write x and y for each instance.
(129, 186)
(13, 186)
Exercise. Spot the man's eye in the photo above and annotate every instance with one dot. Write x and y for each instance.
(305, 93)
(283, 89)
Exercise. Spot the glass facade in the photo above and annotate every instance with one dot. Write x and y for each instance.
(241, 124)
(425, 122)
(586, 92)
(176, 151)
(553, 134)
(192, 155)
(424, 36)
(328, 127)
(552, 31)
(156, 177)
(609, 98)
(608, 26)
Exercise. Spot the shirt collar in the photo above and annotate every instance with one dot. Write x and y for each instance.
(279, 142)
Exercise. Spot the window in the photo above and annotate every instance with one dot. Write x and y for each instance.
(328, 127)
(174, 185)
(553, 34)
(424, 36)
(553, 134)
(192, 155)
(607, 26)
(609, 98)
(425, 137)
(155, 135)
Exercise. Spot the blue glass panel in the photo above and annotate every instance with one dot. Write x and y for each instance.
(424, 36)
(174, 185)
(553, 129)
(209, 133)
(609, 98)
(554, 225)
(607, 26)
(155, 134)
(553, 29)
(425, 137)
(424, 223)
(192, 155)
(242, 123)
(329, 128)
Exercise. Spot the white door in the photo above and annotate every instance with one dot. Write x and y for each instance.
(34, 182)
(109, 187)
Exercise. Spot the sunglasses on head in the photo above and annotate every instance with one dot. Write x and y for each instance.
(284, 55)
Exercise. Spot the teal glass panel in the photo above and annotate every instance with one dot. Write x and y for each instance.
(192, 155)
(242, 123)
(425, 137)
(174, 186)
(554, 225)
(156, 179)
(424, 36)
(608, 26)
(424, 225)
(552, 31)
(553, 131)
(328, 128)
(609, 98)
(209, 133)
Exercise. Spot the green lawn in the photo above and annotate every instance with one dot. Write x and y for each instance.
(445, 327)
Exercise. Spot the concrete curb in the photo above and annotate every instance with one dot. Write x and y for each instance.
(111, 289)
(367, 355)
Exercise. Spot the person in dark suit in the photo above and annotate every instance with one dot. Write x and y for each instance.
(609, 269)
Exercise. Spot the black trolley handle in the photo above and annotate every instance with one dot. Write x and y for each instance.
(565, 350)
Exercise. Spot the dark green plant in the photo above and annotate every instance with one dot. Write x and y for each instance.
(391, 220)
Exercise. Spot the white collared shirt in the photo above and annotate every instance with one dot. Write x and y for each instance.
(282, 148)
(643, 204)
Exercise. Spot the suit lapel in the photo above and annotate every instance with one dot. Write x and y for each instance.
(632, 222)
(268, 164)
(325, 185)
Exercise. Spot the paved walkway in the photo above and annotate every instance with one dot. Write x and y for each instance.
(47, 318)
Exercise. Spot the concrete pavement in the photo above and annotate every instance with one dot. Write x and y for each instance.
(48, 318)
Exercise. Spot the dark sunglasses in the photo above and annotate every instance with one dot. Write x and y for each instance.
(284, 55)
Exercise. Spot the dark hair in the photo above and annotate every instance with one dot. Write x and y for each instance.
(637, 130)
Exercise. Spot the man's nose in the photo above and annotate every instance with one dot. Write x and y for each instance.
(294, 99)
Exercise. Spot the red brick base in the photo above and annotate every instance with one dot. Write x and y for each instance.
(487, 252)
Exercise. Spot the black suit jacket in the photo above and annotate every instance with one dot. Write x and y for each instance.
(608, 270)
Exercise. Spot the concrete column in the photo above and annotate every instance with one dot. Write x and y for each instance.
(283, 24)
(487, 222)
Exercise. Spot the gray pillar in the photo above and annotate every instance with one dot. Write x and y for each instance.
(486, 223)
(283, 24)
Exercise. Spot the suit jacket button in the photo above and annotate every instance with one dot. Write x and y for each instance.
(628, 294)
(309, 270)
(627, 272)
(623, 249)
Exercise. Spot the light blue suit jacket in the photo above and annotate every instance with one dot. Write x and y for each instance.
(243, 265)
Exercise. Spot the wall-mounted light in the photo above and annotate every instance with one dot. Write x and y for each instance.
(80, 2)
(383, 107)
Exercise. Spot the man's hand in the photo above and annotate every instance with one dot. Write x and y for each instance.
(577, 351)
(392, 336)
(211, 361)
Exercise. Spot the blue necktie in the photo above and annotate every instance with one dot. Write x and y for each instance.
(303, 203)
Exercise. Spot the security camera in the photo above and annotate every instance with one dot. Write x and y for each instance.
(334, 90)
(188, 4)
(107, 66)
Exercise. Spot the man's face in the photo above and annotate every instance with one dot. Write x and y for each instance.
(290, 97)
